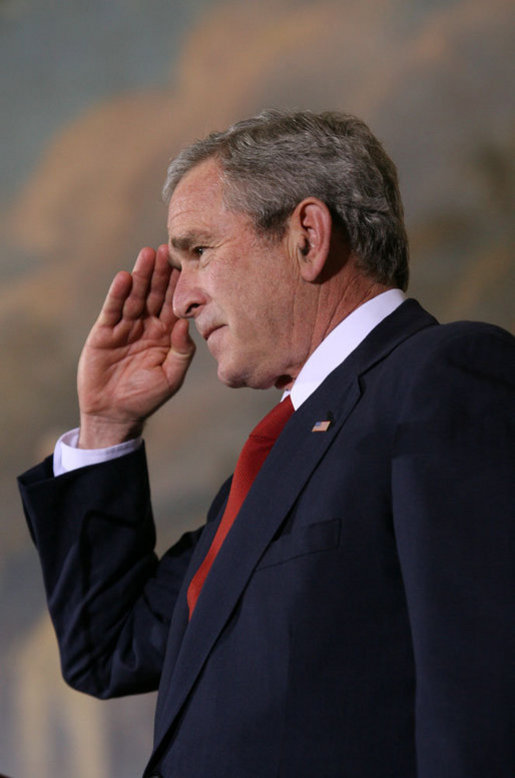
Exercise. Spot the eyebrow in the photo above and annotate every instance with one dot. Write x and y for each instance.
(185, 242)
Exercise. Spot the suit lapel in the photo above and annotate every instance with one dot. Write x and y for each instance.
(295, 455)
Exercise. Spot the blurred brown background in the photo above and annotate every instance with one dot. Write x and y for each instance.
(95, 98)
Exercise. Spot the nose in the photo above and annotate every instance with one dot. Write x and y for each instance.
(188, 297)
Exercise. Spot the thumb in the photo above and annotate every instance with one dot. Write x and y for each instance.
(181, 340)
(180, 355)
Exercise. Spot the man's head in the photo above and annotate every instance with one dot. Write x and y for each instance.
(281, 226)
(273, 161)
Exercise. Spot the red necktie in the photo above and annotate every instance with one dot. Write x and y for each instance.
(252, 456)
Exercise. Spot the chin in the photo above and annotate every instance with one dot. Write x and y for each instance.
(232, 383)
(251, 379)
(230, 377)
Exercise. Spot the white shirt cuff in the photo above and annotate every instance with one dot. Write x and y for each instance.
(68, 457)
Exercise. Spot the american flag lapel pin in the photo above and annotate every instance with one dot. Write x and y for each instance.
(323, 425)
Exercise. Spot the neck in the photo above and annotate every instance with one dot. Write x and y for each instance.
(339, 297)
(332, 302)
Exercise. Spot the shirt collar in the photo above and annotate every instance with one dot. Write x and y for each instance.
(341, 341)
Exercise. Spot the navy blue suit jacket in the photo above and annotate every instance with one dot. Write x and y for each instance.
(358, 620)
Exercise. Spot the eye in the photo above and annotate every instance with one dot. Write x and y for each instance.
(199, 250)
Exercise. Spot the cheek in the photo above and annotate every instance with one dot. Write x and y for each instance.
(253, 300)
(244, 308)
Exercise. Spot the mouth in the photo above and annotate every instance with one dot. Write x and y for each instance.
(206, 334)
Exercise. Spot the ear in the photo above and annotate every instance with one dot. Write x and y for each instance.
(311, 226)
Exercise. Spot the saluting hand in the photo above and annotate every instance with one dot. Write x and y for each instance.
(136, 355)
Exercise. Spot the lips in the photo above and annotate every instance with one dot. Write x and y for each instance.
(206, 333)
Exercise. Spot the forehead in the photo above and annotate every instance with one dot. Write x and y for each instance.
(198, 194)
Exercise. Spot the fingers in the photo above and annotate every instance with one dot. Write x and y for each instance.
(145, 291)
(159, 281)
(112, 310)
(142, 272)
(167, 315)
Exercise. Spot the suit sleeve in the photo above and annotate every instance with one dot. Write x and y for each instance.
(454, 509)
(109, 597)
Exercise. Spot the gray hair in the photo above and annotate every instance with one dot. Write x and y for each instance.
(272, 161)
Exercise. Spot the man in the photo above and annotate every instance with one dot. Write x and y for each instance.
(350, 616)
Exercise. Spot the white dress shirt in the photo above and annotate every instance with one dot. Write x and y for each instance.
(336, 347)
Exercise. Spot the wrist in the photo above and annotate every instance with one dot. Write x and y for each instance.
(101, 432)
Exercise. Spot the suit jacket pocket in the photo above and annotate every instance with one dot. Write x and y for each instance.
(303, 540)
